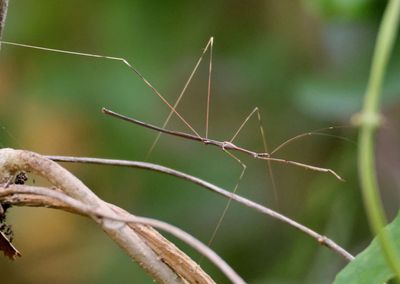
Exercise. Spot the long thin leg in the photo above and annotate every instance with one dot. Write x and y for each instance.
(262, 132)
(314, 132)
(268, 158)
(221, 218)
(209, 86)
(243, 124)
(264, 141)
(305, 166)
(269, 165)
(120, 59)
(209, 45)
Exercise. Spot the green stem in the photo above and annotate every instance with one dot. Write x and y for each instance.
(369, 121)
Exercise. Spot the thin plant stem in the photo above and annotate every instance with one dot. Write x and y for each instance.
(323, 240)
(369, 120)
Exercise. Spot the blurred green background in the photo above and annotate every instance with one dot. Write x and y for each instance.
(303, 63)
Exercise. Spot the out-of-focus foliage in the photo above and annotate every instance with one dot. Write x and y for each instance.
(344, 9)
(303, 69)
(370, 266)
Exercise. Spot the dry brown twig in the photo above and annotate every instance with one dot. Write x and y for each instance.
(321, 239)
(78, 197)
(23, 195)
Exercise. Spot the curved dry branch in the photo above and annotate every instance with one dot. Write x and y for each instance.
(39, 196)
(321, 239)
(12, 161)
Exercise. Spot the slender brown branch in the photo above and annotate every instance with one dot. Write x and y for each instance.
(48, 197)
(169, 253)
(323, 240)
(165, 250)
